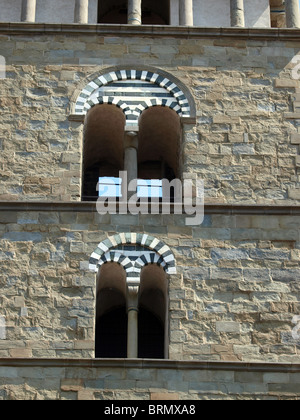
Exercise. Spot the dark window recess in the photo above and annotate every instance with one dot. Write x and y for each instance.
(151, 336)
(111, 335)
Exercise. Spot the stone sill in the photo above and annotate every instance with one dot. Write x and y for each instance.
(152, 364)
(90, 207)
(156, 31)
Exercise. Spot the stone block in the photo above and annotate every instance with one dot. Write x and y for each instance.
(286, 275)
(23, 236)
(243, 149)
(27, 218)
(8, 217)
(86, 395)
(268, 254)
(294, 193)
(295, 138)
(286, 83)
(84, 345)
(68, 157)
(229, 254)
(19, 302)
(228, 327)
(20, 353)
(276, 378)
(226, 119)
(256, 275)
(70, 385)
(164, 396)
(223, 274)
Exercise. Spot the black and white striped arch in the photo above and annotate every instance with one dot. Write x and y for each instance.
(133, 251)
(133, 91)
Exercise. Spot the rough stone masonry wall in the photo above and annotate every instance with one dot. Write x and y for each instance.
(246, 141)
(234, 298)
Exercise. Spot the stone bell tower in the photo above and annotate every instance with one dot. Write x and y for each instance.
(111, 287)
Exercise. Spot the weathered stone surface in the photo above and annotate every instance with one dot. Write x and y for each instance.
(237, 289)
(238, 141)
(101, 380)
(227, 287)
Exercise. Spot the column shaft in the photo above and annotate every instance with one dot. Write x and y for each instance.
(81, 13)
(134, 12)
(186, 17)
(132, 343)
(130, 156)
(292, 13)
(237, 13)
(132, 333)
(130, 163)
(28, 11)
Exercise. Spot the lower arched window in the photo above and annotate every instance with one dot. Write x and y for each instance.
(112, 319)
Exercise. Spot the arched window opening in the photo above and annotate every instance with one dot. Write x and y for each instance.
(153, 314)
(111, 313)
(103, 147)
(159, 145)
(154, 12)
(133, 271)
(111, 335)
(151, 336)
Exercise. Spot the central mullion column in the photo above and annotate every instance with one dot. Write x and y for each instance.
(133, 326)
(130, 155)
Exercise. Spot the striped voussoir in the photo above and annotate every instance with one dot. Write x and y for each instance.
(133, 91)
(155, 252)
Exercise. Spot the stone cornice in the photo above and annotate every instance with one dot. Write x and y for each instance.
(151, 364)
(156, 31)
(88, 207)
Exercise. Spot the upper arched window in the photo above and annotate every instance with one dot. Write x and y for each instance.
(154, 12)
(140, 101)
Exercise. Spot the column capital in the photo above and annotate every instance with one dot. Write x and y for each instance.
(131, 137)
(132, 298)
(132, 310)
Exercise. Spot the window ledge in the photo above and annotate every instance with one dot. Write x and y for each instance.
(90, 207)
(156, 31)
(152, 364)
